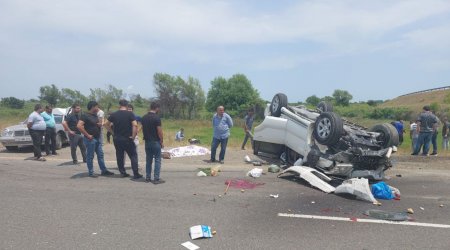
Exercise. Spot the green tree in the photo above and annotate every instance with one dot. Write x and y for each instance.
(12, 102)
(236, 94)
(167, 89)
(312, 100)
(69, 97)
(138, 101)
(342, 97)
(192, 96)
(106, 97)
(50, 94)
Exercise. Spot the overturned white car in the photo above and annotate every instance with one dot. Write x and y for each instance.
(323, 140)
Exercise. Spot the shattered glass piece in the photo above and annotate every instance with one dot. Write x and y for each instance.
(384, 215)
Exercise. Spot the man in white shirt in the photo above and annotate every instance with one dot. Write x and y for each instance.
(36, 126)
(413, 134)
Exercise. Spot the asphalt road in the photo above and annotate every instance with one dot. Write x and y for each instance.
(53, 205)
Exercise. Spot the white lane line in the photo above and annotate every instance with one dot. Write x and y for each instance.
(405, 223)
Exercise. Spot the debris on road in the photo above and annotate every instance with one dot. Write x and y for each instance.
(273, 169)
(247, 159)
(200, 231)
(274, 196)
(242, 190)
(189, 245)
(242, 184)
(313, 202)
(201, 174)
(410, 211)
(357, 187)
(257, 163)
(421, 208)
(312, 176)
(381, 190)
(383, 215)
(398, 175)
(255, 173)
(442, 205)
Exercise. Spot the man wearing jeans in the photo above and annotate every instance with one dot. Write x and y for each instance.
(222, 123)
(36, 127)
(153, 137)
(124, 132)
(50, 131)
(248, 124)
(89, 126)
(76, 139)
(426, 125)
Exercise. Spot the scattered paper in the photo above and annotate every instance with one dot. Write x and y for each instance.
(189, 245)
(274, 196)
(200, 231)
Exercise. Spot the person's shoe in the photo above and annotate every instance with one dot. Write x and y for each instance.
(107, 173)
(123, 175)
(137, 176)
(84, 161)
(242, 148)
(92, 175)
(41, 159)
(148, 179)
(425, 154)
(211, 161)
(222, 162)
(159, 181)
(75, 162)
(55, 154)
(434, 153)
(414, 154)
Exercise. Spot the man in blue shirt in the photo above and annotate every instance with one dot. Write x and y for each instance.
(222, 123)
(400, 129)
(50, 131)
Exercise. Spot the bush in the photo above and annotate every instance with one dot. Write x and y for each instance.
(12, 102)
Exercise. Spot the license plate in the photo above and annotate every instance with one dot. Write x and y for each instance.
(22, 139)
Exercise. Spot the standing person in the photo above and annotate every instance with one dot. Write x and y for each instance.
(75, 138)
(153, 137)
(36, 127)
(125, 130)
(426, 124)
(222, 123)
(434, 137)
(50, 131)
(413, 134)
(138, 121)
(101, 118)
(89, 126)
(445, 132)
(400, 129)
(248, 124)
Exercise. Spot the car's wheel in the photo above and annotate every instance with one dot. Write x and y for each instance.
(325, 107)
(12, 148)
(388, 134)
(279, 101)
(328, 128)
(58, 144)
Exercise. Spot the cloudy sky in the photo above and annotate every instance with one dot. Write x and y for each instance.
(374, 49)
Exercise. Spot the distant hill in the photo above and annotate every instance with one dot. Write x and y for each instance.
(415, 101)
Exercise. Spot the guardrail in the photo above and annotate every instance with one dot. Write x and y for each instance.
(428, 90)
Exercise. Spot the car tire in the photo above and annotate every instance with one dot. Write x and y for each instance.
(279, 101)
(58, 141)
(12, 148)
(328, 128)
(388, 134)
(325, 107)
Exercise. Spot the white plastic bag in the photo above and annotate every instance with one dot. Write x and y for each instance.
(255, 173)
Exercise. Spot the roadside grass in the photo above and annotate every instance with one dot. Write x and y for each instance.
(201, 129)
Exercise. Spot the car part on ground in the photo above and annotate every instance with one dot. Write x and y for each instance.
(324, 140)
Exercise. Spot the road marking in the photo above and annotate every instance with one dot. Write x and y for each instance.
(405, 223)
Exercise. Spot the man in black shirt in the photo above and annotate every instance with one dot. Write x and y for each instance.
(153, 137)
(124, 132)
(75, 137)
(89, 125)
